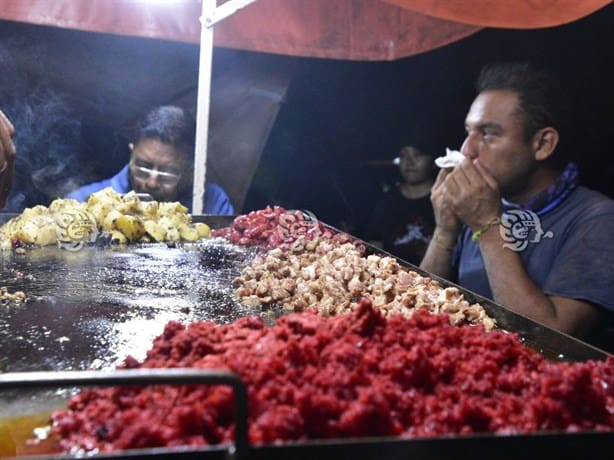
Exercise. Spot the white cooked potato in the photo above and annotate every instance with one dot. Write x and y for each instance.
(47, 234)
(131, 226)
(40, 229)
(118, 237)
(204, 231)
(127, 207)
(188, 233)
(34, 211)
(65, 203)
(172, 234)
(149, 209)
(107, 223)
(100, 211)
(172, 208)
(125, 217)
(155, 230)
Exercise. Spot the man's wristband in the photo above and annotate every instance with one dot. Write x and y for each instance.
(479, 232)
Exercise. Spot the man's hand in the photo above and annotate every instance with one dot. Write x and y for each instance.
(7, 158)
(446, 221)
(472, 194)
(437, 258)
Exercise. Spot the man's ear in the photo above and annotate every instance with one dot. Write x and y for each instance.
(131, 146)
(544, 142)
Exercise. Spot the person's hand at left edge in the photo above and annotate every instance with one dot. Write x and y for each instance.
(7, 158)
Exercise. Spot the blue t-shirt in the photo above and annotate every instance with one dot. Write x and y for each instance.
(216, 200)
(567, 252)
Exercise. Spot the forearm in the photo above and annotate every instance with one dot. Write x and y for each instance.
(511, 285)
(438, 257)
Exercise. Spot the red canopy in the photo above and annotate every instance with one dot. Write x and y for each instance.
(516, 14)
(340, 29)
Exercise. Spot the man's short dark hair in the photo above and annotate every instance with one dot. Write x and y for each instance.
(169, 124)
(542, 99)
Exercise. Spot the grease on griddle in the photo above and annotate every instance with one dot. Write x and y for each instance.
(224, 255)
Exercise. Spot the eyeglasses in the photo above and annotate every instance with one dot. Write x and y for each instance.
(144, 173)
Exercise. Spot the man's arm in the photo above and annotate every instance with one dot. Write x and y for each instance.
(511, 286)
(474, 196)
(438, 257)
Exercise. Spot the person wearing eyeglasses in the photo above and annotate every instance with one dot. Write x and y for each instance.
(161, 163)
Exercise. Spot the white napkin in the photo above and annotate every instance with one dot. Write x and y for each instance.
(452, 159)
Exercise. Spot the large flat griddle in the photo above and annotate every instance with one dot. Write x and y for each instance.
(90, 308)
(84, 309)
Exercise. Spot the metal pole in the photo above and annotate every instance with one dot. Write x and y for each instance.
(202, 108)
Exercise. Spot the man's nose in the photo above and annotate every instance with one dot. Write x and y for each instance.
(152, 180)
(468, 148)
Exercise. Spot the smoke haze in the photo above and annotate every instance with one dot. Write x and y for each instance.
(47, 133)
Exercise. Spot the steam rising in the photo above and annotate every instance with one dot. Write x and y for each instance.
(47, 133)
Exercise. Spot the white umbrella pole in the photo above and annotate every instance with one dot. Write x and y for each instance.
(211, 14)
(202, 108)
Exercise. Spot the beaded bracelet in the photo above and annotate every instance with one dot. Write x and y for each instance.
(478, 233)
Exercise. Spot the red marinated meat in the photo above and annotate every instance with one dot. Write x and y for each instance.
(311, 377)
(278, 228)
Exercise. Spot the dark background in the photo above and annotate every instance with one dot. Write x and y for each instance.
(340, 115)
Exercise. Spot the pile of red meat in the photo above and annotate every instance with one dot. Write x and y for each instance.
(311, 377)
(276, 228)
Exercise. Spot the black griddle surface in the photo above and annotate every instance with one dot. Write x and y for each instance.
(91, 308)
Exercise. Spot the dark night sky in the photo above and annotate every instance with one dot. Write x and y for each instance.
(339, 114)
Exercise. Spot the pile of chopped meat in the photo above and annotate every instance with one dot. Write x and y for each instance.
(360, 374)
(277, 227)
(332, 277)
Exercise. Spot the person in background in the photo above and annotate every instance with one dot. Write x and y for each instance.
(402, 222)
(161, 163)
(512, 222)
(7, 158)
